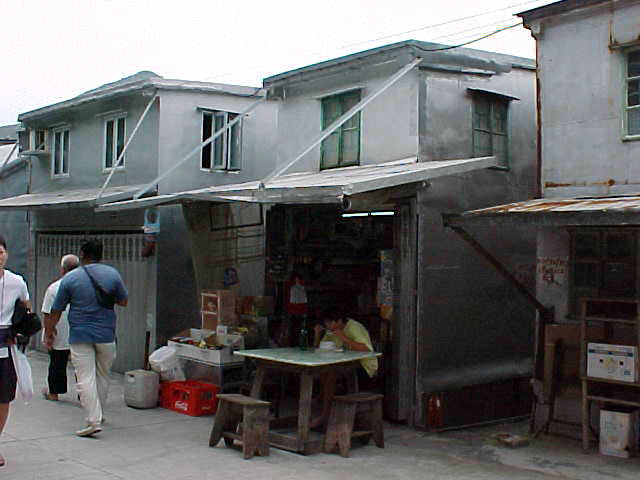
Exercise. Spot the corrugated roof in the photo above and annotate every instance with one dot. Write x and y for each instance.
(550, 205)
(67, 198)
(586, 211)
(327, 186)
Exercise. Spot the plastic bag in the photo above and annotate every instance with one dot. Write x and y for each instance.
(165, 362)
(23, 372)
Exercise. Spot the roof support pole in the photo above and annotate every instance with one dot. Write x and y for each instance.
(342, 119)
(179, 163)
(126, 145)
(545, 314)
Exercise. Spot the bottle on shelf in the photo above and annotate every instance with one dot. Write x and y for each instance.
(304, 334)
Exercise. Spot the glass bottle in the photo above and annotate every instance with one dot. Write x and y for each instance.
(304, 334)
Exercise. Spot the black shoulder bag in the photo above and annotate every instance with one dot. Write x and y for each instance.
(23, 322)
(104, 298)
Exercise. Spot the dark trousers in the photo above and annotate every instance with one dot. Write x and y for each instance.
(58, 371)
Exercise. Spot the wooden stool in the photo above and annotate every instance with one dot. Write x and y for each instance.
(244, 419)
(342, 418)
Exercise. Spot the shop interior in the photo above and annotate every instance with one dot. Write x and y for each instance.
(344, 260)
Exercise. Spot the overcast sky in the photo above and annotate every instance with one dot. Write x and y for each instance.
(52, 51)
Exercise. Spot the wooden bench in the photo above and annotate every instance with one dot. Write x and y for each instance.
(344, 410)
(244, 419)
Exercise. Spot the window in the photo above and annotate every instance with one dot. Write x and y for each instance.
(490, 128)
(114, 135)
(342, 147)
(60, 149)
(603, 264)
(632, 89)
(225, 152)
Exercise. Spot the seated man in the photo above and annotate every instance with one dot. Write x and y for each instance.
(348, 334)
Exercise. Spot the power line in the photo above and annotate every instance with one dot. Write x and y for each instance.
(386, 37)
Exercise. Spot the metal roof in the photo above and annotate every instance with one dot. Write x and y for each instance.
(327, 186)
(432, 53)
(557, 211)
(557, 8)
(140, 81)
(67, 198)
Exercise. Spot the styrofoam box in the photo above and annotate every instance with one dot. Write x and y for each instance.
(618, 433)
(614, 362)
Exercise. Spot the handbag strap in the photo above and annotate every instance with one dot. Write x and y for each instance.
(94, 283)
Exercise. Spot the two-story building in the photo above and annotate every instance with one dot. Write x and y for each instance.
(371, 148)
(588, 57)
(109, 143)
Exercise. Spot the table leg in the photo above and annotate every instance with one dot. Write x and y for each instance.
(256, 388)
(304, 409)
(352, 380)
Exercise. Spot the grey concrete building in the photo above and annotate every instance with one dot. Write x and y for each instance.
(369, 150)
(108, 143)
(586, 221)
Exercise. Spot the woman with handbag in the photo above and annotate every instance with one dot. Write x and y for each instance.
(12, 288)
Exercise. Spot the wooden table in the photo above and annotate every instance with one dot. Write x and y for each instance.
(308, 364)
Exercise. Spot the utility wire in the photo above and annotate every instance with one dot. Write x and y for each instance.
(386, 37)
(477, 27)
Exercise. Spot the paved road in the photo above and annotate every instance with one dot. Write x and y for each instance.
(159, 444)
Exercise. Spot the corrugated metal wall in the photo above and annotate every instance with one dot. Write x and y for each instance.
(122, 251)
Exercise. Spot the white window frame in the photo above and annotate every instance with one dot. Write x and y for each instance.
(625, 107)
(225, 166)
(41, 145)
(54, 132)
(114, 142)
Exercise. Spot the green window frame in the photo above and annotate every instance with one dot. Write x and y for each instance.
(603, 264)
(632, 95)
(342, 147)
(491, 127)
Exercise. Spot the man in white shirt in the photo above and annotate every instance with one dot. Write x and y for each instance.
(59, 349)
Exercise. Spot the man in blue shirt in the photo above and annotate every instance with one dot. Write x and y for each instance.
(92, 328)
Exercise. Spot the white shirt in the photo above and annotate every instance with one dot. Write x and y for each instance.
(61, 340)
(12, 288)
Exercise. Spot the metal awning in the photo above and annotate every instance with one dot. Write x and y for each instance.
(586, 211)
(67, 198)
(325, 187)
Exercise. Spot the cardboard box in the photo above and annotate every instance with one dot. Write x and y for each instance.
(618, 433)
(205, 355)
(613, 362)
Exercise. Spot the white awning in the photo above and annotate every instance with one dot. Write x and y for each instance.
(67, 198)
(327, 186)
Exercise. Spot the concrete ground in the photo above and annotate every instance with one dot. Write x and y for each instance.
(159, 444)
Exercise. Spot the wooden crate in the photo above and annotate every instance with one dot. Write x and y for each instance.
(217, 307)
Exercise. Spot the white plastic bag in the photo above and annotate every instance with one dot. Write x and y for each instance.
(165, 362)
(23, 372)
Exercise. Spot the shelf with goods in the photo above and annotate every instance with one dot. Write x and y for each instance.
(624, 313)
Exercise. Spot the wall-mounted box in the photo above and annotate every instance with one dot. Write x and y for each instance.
(613, 362)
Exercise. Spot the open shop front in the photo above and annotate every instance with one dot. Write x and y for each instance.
(395, 274)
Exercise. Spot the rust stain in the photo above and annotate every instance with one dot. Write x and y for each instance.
(609, 182)
(555, 185)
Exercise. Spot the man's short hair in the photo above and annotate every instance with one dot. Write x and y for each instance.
(332, 315)
(92, 249)
(69, 262)
(3, 242)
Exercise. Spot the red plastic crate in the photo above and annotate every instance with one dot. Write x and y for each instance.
(190, 397)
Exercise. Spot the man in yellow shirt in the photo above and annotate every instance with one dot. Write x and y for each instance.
(348, 334)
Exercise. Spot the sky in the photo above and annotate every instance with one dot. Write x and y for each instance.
(53, 51)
